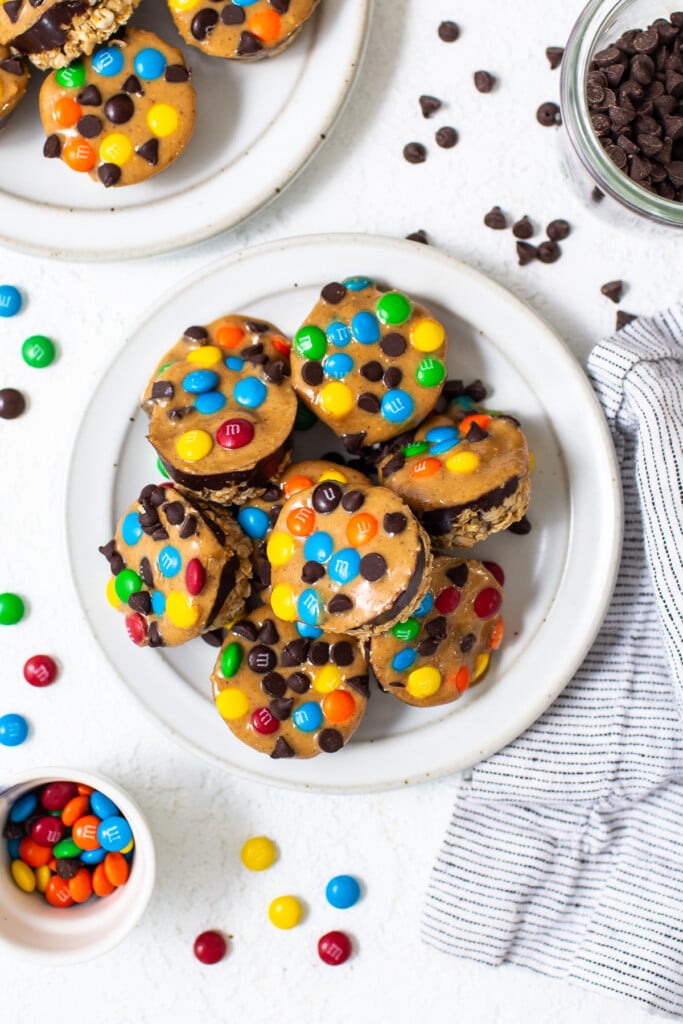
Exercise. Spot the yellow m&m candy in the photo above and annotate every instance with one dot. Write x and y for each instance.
(423, 682)
(427, 335)
(180, 612)
(283, 603)
(258, 853)
(280, 548)
(231, 703)
(116, 149)
(194, 445)
(463, 462)
(480, 665)
(285, 912)
(205, 355)
(336, 399)
(327, 679)
(162, 120)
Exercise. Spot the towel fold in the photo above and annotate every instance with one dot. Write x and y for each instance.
(564, 853)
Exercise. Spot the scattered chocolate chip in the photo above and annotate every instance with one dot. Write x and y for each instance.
(623, 318)
(140, 602)
(341, 653)
(557, 230)
(175, 512)
(274, 685)
(394, 522)
(597, 195)
(418, 236)
(446, 137)
(232, 14)
(257, 327)
(268, 633)
(340, 603)
(373, 567)
(312, 572)
(312, 373)
(246, 629)
(90, 96)
(333, 292)
(393, 345)
(526, 253)
(548, 114)
(476, 390)
(120, 108)
(475, 433)
(149, 152)
(353, 500)
(428, 646)
(521, 527)
(281, 708)
(458, 574)
(613, 290)
(495, 219)
(372, 371)
(415, 153)
(132, 85)
(52, 147)
(160, 534)
(282, 747)
(393, 376)
(523, 228)
(176, 73)
(483, 81)
(213, 637)
(203, 23)
(146, 572)
(429, 105)
(467, 642)
(188, 527)
(299, 682)
(437, 627)
(549, 252)
(196, 333)
(162, 389)
(12, 403)
(12, 9)
(448, 31)
(281, 6)
(154, 636)
(554, 55)
(369, 403)
(330, 741)
(319, 653)
(294, 652)
(353, 442)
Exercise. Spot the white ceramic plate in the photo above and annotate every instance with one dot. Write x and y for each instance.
(258, 125)
(559, 577)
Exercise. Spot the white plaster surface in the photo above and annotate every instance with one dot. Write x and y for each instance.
(199, 815)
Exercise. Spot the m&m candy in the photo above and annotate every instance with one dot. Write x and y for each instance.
(334, 948)
(258, 853)
(285, 912)
(210, 947)
(343, 891)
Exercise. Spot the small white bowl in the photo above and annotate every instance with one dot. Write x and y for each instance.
(30, 926)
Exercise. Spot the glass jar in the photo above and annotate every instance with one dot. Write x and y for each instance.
(599, 25)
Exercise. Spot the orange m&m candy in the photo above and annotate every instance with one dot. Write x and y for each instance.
(229, 336)
(80, 886)
(57, 892)
(424, 468)
(79, 155)
(75, 809)
(266, 25)
(296, 484)
(481, 419)
(361, 529)
(33, 854)
(497, 634)
(101, 885)
(116, 868)
(338, 706)
(83, 789)
(67, 112)
(300, 521)
(462, 679)
(84, 832)
(281, 344)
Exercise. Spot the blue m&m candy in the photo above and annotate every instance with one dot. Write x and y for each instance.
(357, 284)
(344, 565)
(10, 300)
(170, 561)
(342, 891)
(438, 434)
(244, 3)
(158, 602)
(250, 392)
(404, 659)
(108, 61)
(338, 366)
(365, 327)
(234, 363)
(424, 607)
(131, 531)
(308, 717)
(150, 64)
(93, 857)
(13, 730)
(338, 334)
(310, 632)
(210, 402)
(24, 807)
(319, 547)
(114, 833)
(200, 381)
(310, 607)
(102, 806)
(254, 521)
(397, 406)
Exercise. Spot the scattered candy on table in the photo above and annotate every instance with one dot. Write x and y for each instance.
(258, 853)
(210, 947)
(334, 948)
(68, 842)
(40, 670)
(38, 351)
(12, 403)
(10, 300)
(11, 609)
(285, 912)
(342, 892)
(13, 730)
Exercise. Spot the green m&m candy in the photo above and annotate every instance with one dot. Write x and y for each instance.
(72, 77)
(38, 351)
(231, 660)
(406, 630)
(66, 848)
(430, 373)
(11, 609)
(393, 308)
(126, 583)
(160, 467)
(417, 448)
(310, 342)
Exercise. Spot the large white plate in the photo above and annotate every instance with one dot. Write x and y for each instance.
(258, 125)
(559, 576)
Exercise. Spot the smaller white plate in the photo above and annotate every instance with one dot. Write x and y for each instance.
(257, 127)
(559, 577)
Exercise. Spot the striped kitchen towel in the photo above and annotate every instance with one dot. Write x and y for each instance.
(564, 853)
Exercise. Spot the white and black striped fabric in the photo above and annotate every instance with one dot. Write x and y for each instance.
(564, 853)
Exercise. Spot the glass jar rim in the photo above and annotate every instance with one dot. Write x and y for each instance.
(588, 28)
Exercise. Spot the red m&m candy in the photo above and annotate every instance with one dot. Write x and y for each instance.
(40, 670)
(334, 948)
(235, 433)
(210, 947)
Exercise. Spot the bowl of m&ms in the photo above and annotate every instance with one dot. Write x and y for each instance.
(77, 864)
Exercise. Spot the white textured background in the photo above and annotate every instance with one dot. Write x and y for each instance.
(199, 815)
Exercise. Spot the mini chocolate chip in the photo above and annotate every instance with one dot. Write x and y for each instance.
(149, 152)
(176, 73)
(294, 652)
(312, 373)
(140, 601)
(233, 15)
(613, 290)
(341, 653)
(132, 85)
(521, 527)
(495, 219)
(352, 501)
(429, 105)
(373, 567)
(162, 389)
(257, 327)
(268, 633)
(597, 195)
(467, 642)
(203, 23)
(119, 109)
(523, 228)
(12, 9)
(437, 627)
(415, 153)
(12, 403)
(154, 636)
(340, 603)
(372, 371)
(392, 377)
(90, 96)
(548, 114)
(299, 682)
(89, 126)
(458, 574)
(418, 236)
(330, 741)
(52, 147)
(196, 333)
(188, 527)
(623, 318)
(333, 293)
(248, 44)
(428, 646)
(281, 708)
(483, 81)
(68, 867)
(548, 252)
(557, 230)
(312, 572)
(262, 659)
(475, 433)
(146, 572)
(526, 253)
(326, 497)
(319, 653)
(353, 442)
(274, 685)
(213, 637)
(160, 534)
(392, 345)
(446, 137)
(554, 55)
(282, 747)
(369, 403)
(448, 31)
(175, 512)
(394, 522)
(246, 629)
(12, 66)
